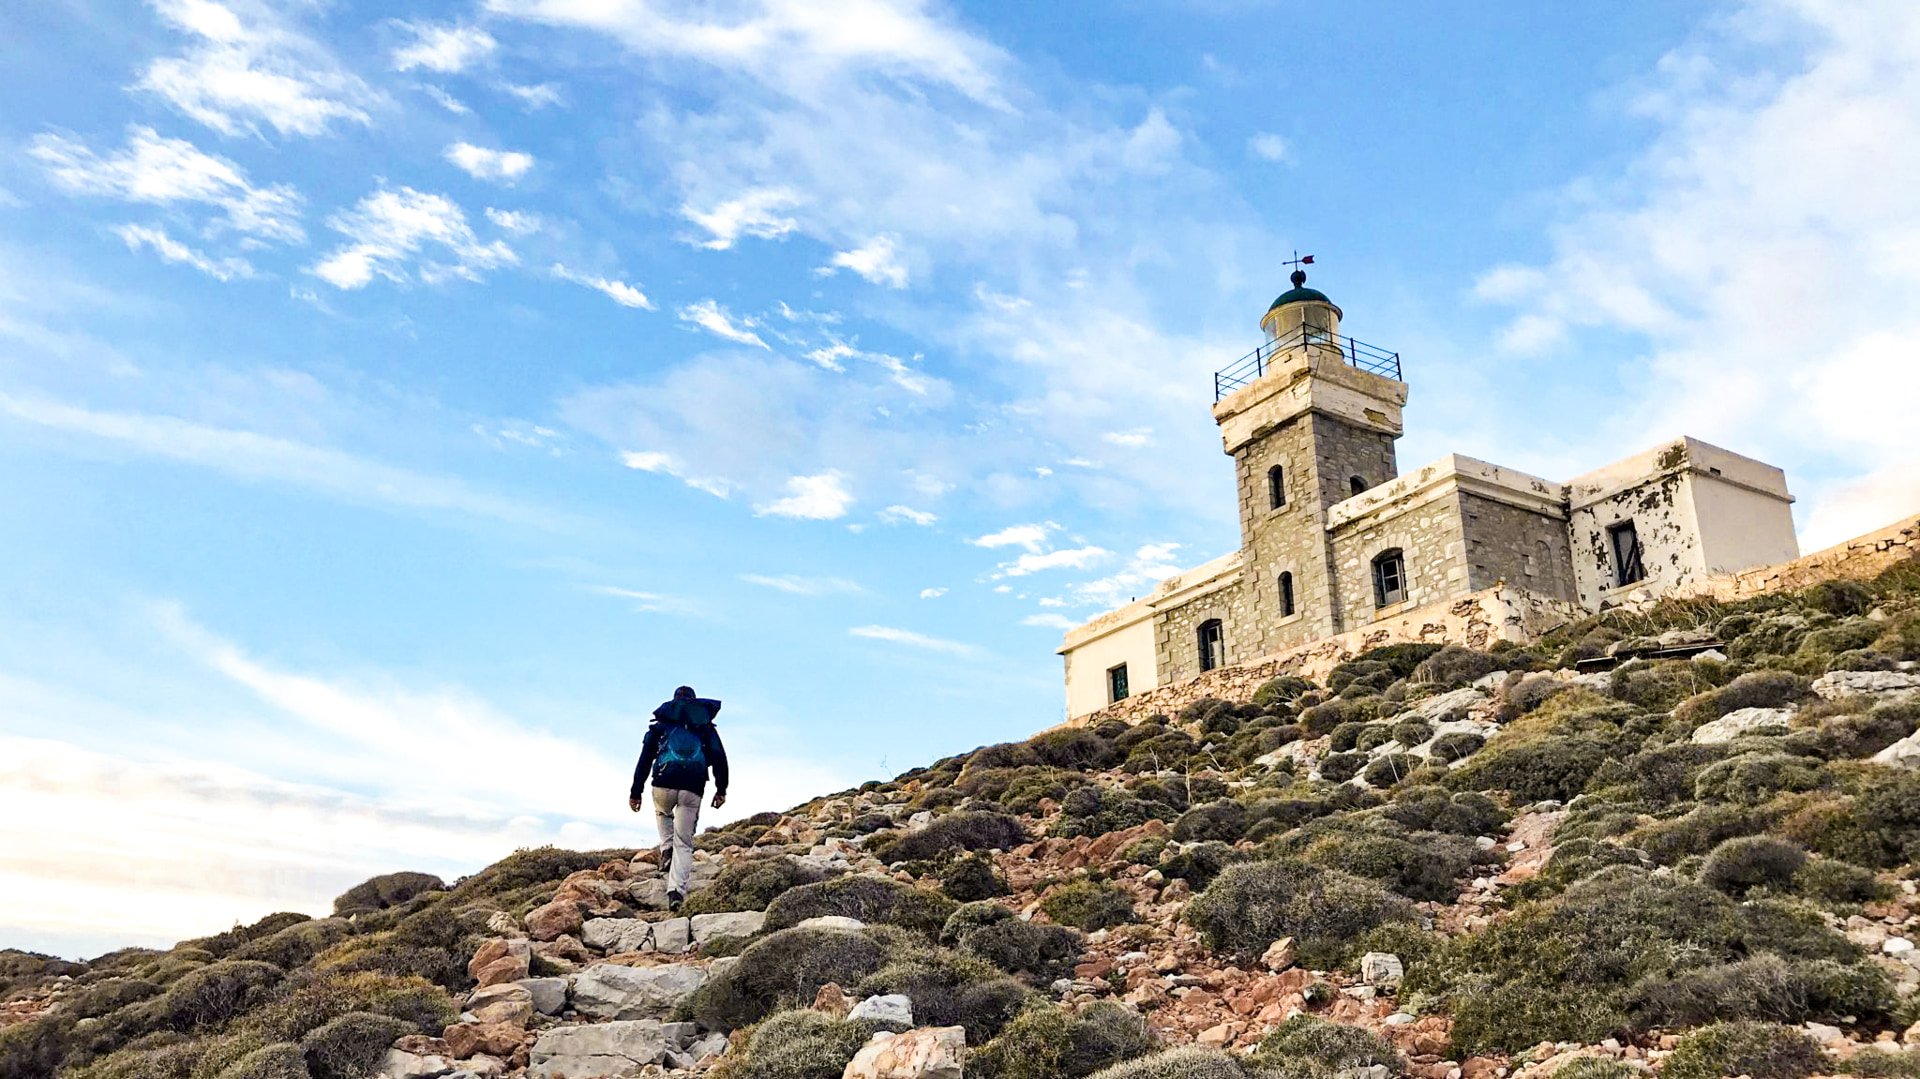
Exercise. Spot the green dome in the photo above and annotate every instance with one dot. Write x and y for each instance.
(1295, 295)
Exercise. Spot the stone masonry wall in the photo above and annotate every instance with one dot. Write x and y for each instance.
(1431, 544)
(1290, 539)
(1861, 558)
(1507, 543)
(1476, 620)
(1176, 633)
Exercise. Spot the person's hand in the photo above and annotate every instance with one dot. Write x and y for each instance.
(719, 800)
(633, 804)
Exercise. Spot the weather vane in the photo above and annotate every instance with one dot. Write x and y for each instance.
(1298, 260)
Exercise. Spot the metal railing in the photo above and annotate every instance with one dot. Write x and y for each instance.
(1254, 364)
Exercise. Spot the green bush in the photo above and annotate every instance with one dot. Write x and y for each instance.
(1252, 904)
(1841, 599)
(1340, 767)
(1046, 1042)
(209, 997)
(1044, 952)
(309, 999)
(1755, 1050)
(296, 945)
(786, 969)
(1877, 825)
(1756, 689)
(872, 899)
(1076, 749)
(1878, 1063)
(1829, 880)
(972, 878)
(1428, 808)
(960, 831)
(1412, 732)
(1753, 778)
(751, 884)
(951, 990)
(1224, 821)
(1417, 865)
(1199, 863)
(1738, 866)
(352, 1046)
(1389, 769)
(1454, 665)
(1088, 905)
(1187, 1063)
(1095, 811)
(1324, 718)
(1282, 690)
(1304, 1047)
(1598, 1068)
(1346, 737)
(538, 865)
(273, 1062)
(1762, 987)
(1697, 831)
(797, 1044)
(386, 890)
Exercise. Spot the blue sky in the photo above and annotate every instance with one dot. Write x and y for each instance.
(392, 410)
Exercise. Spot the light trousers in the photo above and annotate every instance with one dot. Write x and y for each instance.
(678, 814)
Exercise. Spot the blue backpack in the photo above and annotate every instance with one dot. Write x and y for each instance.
(681, 746)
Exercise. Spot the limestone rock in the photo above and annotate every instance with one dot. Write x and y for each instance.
(1279, 955)
(1902, 754)
(401, 1064)
(549, 995)
(615, 935)
(833, 921)
(743, 923)
(1836, 684)
(1381, 968)
(597, 1051)
(616, 992)
(549, 921)
(495, 1039)
(500, 960)
(891, 1010)
(1739, 722)
(1446, 706)
(501, 924)
(925, 1053)
(506, 1002)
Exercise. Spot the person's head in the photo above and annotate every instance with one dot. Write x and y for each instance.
(684, 693)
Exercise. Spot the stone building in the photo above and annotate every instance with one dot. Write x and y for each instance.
(1334, 537)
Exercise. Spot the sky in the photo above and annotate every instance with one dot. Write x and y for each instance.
(394, 409)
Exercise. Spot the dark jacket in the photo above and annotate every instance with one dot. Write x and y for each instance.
(696, 715)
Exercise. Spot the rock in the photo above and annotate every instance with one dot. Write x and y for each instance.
(891, 1010)
(710, 1046)
(500, 960)
(1400, 1019)
(1836, 684)
(1713, 654)
(563, 950)
(549, 921)
(1279, 955)
(1446, 706)
(401, 1064)
(1896, 946)
(598, 1050)
(1215, 1037)
(615, 992)
(832, 921)
(481, 1066)
(615, 935)
(495, 1039)
(506, 1002)
(1381, 968)
(919, 820)
(501, 924)
(649, 892)
(1370, 1071)
(925, 1053)
(832, 999)
(743, 923)
(1738, 722)
(549, 995)
(1824, 1034)
(1902, 754)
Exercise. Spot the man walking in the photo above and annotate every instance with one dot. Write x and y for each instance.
(680, 748)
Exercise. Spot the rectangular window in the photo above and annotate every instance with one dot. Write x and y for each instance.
(1117, 683)
(1389, 578)
(1628, 565)
(1286, 595)
(1213, 644)
(1276, 487)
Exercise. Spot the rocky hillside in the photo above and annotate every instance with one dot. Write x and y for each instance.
(1679, 842)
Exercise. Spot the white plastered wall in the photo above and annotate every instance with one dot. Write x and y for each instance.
(1128, 640)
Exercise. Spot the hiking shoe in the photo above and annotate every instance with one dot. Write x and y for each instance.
(674, 899)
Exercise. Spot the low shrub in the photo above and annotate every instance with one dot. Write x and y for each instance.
(386, 890)
(1225, 821)
(1755, 1050)
(1598, 1068)
(972, 878)
(950, 990)
(1829, 880)
(1323, 718)
(1412, 732)
(1416, 865)
(1762, 987)
(209, 997)
(352, 1046)
(538, 865)
(786, 969)
(1088, 905)
(1756, 689)
(1428, 808)
(873, 899)
(222, 945)
(1043, 952)
(1187, 1063)
(1876, 825)
(309, 999)
(1282, 690)
(1252, 904)
(1340, 767)
(281, 1061)
(1454, 665)
(1346, 737)
(1878, 1063)
(960, 831)
(1304, 1047)
(1738, 866)
(1095, 811)
(1697, 831)
(297, 944)
(1841, 599)
(1076, 749)
(1046, 1042)
(796, 1044)
(1753, 778)
(1389, 769)
(751, 884)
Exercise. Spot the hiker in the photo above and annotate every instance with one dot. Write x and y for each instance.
(680, 747)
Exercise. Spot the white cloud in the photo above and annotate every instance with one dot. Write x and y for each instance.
(518, 222)
(1133, 439)
(648, 602)
(446, 101)
(1269, 147)
(248, 65)
(1032, 537)
(493, 166)
(445, 49)
(166, 172)
(540, 96)
(1072, 558)
(172, 250)
(252, 456)
(667, 464)
(1149, 565)
(914, 640)
(1154, 145)
(1049, 621)
(618, 291)
(932, 593)
(755, 213)
(386, 230)
(822, 497)
(716, 320)
(877, 261)
(795, 585)
(894, 515)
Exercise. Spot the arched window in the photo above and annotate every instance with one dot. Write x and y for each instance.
(1358, 484)
(1286, 595)
(1276, 487)
(1213, 644)
(1389, 578)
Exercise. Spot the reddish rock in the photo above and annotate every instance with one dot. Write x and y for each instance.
(1481, 1068)
(499, 961)
(1093, 968)
(1216, 1037)
(495, 1039)
(554, 919)
(832, 999)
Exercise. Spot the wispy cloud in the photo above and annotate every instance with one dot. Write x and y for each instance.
(932, 593)
(755, 213)
(821, 497)
(1269, 147)
(877, 260)
(1072, 558)
(717, 320)
(1149, 565)
(666, 464)
(534, 97)
(447, 49)
(168, 172)
(247, 66)
(1033, 537)
(1049, 621)
(795, 585)
(895, 635)
(1131, 439)
(894, 515)
(648, 602)
(493, 166)
(619, 292)
(172, 250)
(388, 229)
